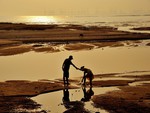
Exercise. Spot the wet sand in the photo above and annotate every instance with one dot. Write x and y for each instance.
(20, 38)
(130, 98)
(142, 28)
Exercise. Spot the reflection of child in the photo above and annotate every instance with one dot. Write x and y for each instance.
(87, 74)
(87, 94)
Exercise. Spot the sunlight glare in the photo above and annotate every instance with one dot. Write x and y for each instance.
(40, 19)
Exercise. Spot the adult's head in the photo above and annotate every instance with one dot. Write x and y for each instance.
(70, 57)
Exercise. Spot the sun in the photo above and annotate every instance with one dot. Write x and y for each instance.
(40, 19)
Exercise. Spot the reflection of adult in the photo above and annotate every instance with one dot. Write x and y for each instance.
(66, 67)
(87, 94)
(65, 98)
(87, 74)
(66, 95)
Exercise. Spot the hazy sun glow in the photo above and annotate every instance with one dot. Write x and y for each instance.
(40, 19)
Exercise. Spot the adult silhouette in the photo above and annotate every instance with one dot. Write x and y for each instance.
(66, 67)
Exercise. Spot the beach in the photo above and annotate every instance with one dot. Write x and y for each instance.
(133, 95)
(21, 38)
(130, 98)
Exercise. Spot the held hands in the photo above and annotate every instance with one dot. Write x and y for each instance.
(78, 68)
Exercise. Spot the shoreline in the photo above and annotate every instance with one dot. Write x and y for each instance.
(17, 39)
(27, 89)
(21, 38)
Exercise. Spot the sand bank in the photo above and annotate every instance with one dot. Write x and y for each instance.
(128, 99)
(142, 28)
(13, 37)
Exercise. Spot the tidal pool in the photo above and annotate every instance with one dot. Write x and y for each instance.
(55, 102)
(35, 66)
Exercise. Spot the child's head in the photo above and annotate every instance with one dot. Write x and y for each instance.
(81, 68)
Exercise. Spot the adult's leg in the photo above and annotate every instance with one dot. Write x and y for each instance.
(67, 80)
(91, 82)
(65, 76)
(64, 79)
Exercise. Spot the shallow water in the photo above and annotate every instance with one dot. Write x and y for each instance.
(114, 78)
(129, 29)
(139, 83)
(122, 22)
(53, 102)
(35, 66)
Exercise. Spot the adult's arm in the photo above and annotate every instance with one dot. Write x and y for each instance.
(74, 66)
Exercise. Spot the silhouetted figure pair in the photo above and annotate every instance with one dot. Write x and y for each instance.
(66, 67)
(87, 75)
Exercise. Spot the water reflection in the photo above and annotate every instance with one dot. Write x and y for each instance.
(77, 105)
(87, 94)
(39, 19)
(70, 99)
(71, 105)
(65, 98)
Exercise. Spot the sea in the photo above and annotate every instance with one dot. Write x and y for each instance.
(122, 22)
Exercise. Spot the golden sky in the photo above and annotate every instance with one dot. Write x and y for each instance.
(73, 7)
